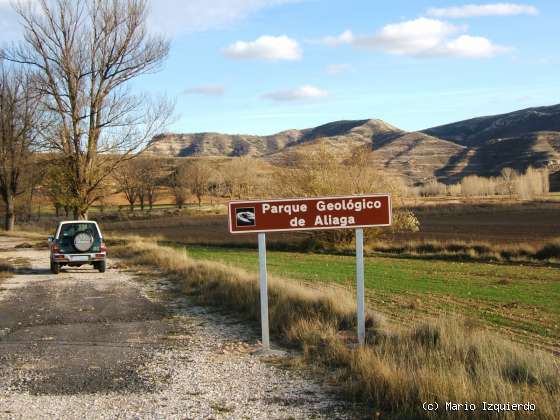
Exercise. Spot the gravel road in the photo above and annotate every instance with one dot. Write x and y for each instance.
(125, 344)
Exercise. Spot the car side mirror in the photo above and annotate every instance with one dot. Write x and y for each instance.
(50, 238)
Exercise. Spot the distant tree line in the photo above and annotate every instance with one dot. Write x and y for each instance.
(530, 184)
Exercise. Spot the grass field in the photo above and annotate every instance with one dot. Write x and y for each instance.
(399, 367)
(520, 301)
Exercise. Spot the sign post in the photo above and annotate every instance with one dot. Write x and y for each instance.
(360, 288)
(349, 212)
(264, 291)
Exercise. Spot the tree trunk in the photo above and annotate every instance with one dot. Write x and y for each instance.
(57, 210)
(10, 218)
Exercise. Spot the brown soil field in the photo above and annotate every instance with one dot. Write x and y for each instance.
(532, 223)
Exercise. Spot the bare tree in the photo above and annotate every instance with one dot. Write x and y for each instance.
(56, 184)
(150, 176)
(128, 181)
(19, 129)
(508, 177)
(178, 184)
(319, 170)
(242, 178)
(197, 177)
(86, 52)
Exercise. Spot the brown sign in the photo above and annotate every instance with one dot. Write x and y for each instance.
(310, 213)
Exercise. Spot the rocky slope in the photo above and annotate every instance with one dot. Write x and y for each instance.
(530, 137)
(217, 144)
(481, 146)
(478, 131)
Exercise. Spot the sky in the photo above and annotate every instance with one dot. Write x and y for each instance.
(264, 66)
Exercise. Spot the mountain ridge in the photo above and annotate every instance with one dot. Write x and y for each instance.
(477, 146)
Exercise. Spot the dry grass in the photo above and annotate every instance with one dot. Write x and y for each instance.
(6, 269)
(468, 250)
(399, 368)
(36, 234)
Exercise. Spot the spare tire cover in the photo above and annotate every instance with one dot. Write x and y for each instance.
(83, 241)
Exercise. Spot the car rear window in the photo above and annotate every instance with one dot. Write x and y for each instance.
(69, 230)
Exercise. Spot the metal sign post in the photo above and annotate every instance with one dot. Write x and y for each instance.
(349, 212)
(360, 286)
(264, 291)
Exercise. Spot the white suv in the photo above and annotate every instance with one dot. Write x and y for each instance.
(76, 243)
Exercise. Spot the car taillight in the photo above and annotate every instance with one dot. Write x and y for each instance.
(102, 247)
(55, 248)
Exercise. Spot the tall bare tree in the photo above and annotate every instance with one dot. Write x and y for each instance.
(19, 129)
(56, 184)
(197, 177)
(178, 185)
(127, 177)
(150, 176)
(86, 52)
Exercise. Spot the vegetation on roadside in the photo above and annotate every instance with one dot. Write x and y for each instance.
(512, 298)
(399, 368)
(6, 269)
(475, 251)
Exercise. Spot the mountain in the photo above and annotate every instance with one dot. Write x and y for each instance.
(217, 144)
(530, 137)
(478, 131)
(412, 155)
(479, 146)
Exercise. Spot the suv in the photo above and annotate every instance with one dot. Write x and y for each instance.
(76, 243)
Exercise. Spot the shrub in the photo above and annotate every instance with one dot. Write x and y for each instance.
(548, 251)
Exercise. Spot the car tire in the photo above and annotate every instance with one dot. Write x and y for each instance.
(101, 266)
(55, 268)
(83, 241)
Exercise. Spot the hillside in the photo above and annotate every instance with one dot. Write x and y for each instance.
(529, 137)
(411, 155)
(217, 144)
(479, 146)
(477, 131)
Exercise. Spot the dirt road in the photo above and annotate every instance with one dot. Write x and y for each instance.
(127, 345)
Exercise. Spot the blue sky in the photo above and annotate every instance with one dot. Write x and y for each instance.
(262, 66)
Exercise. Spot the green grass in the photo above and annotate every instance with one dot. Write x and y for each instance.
(519, 298)
(398, 368)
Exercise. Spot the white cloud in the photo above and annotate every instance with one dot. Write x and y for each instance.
(345, 37)
(472, 47)
(170, 17)
(272, 48)
(413, 37)
(424, 37)
(9, 22)
(334, 69)
(173, 17)
(476, 10)
(208, 90)
(180, 16)
(302, 93)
